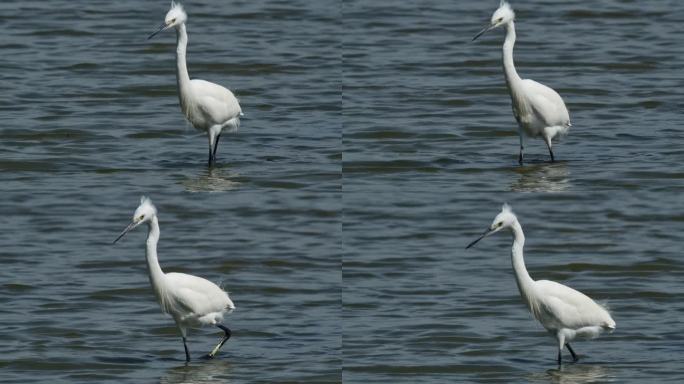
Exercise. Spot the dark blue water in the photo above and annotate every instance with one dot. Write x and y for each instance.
(377, 142)
(430, 154)
(90, 121)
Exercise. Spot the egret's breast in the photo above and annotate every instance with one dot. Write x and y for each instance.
(194, 115)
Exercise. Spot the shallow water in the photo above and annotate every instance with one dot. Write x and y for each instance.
(430, 154)
(90, 121)
(378, 141)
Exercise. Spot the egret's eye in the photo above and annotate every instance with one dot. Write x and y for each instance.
(173, 20)
(500, 19)
(141, 217)
(500, 224)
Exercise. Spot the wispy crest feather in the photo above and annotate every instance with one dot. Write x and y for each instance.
(176, 5)
(504, 5)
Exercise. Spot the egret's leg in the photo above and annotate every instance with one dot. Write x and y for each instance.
(213, 134)
(211, 149)
(561, 342)
(223, 340)
(216, 144)
(547, 139)
(187, 354)
(522, 146)
(574, 356)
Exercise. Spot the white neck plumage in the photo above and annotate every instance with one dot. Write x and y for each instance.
(181, 67)
(522, 278)
(155, 271)
(512, 78)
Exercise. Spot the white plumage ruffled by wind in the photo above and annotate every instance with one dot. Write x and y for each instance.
(564, 312)
(209, 107)
(192, 301)
(538, 109)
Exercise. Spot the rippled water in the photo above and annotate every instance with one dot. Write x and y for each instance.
(430, 154)
(378, 141)
(90, 121)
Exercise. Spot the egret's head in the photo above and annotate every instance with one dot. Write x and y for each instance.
(145, 212)
(174, 18)
(505, 219)
(502, 16)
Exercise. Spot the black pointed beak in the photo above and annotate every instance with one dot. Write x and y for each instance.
(482, 32)
(161, 28)
(485, 234)
(125, 231)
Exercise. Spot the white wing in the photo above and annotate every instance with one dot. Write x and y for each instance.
(217, 103)
(569, 308)
(545, 103)
(196, 295)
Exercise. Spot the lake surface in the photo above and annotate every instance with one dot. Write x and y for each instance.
(430, 154)
(377, 142)
(90, 121)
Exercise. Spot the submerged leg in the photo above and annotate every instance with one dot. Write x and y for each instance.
(559, 357)
(225, 338)
(574, 356)
(187, 354)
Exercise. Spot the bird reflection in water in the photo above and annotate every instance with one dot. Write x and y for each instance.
(210, 371)
(574, 374)
(542, 177)
(212, 180)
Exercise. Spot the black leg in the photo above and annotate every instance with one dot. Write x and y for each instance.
(226, 330)
(559, 357)
(187, 354)
(223, 340)
(574, 356)
(211, 157)
(551, 153)
(522, 144)
(216, 144)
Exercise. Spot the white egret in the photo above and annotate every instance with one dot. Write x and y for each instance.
(538, 109)
(208, 107)
(564, 312)
(192, 301)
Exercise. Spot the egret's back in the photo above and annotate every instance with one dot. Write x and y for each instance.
(195, 300)
(537, 106)
(558, 306)
(207, 104)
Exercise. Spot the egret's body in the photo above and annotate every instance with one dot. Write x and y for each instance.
(566, 313)
(192, 301)
(538, 109)
(209, 107)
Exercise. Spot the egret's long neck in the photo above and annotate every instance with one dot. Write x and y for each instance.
(523, 278)
(155, 271)
(181, 67)
(512, 78)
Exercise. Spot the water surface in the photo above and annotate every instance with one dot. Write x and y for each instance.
(430, 154)
(90, 121)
